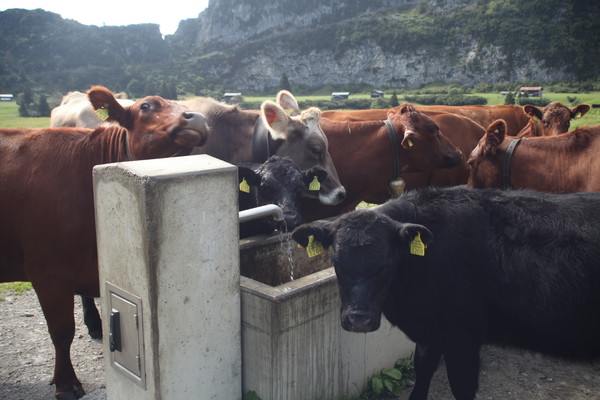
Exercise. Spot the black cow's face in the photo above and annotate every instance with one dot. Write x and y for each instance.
(279, 181)
(367, 251)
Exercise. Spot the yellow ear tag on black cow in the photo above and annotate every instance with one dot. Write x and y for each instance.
(102, 113)
(410, 143)
(417, 247)
(244, 187)
(315, 185)
(314, 247)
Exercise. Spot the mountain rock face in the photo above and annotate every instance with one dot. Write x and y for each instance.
(237, 45)
(249, 44)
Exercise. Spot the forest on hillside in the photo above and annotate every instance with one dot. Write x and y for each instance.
(45, 53)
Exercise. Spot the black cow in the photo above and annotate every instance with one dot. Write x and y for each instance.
(516, 268)
(277, 181)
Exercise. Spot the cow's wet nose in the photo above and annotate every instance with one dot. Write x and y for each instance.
(292, 219)
(358, 322)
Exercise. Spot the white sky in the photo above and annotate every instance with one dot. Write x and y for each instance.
(117, 12)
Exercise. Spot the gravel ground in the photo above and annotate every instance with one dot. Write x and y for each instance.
(27, 362)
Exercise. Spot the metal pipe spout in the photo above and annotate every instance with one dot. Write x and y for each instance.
(260, 212)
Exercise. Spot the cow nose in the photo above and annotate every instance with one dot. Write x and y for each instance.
(292, 219)
(341, 195)
(358, 322)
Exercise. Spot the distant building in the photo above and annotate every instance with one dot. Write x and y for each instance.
(340, 95)
(232, 98)
(6, 97)
(531, 91)
(377, 93)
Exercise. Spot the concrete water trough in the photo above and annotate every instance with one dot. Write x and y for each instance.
(293, 346)
(189, 309)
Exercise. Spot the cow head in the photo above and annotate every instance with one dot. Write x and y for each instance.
(368, 249)
(555, 118)
(301, 139)
(279, 181)
(486, 159)
(155, 127)
(423, 147)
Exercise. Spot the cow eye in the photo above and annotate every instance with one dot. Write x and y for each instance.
(145, 106)
(316, 151)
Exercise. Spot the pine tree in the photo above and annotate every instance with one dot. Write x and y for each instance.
(284, 83)
(43, 107)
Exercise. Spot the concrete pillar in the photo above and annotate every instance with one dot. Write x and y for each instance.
(169, 274)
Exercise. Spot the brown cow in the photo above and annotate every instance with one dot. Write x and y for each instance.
(562, 163)
(362, 153)
(47, 222)
(483, 115)
(553, 119)
(76, 111)
(296, 136)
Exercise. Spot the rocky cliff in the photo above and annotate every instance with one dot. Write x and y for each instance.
(386, 43)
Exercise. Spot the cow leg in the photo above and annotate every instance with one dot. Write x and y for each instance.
(427, 360)
(57, 304)
(91, 317)
(462, 366)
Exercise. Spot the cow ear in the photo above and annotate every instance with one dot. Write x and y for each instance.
(102, 99)
(288, 102)
(310, 175)
(276, 119)
(321, 231)
(533, 111)
(579, 110)
(408, 232)
(249, 174)
(494, 135)
(407, 108)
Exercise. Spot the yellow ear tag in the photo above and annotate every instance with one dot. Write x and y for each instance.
(315, 185)
(417, 247)
(410, 143)
(289, 111)
(314, 247)
(244, 187)
(102, 113)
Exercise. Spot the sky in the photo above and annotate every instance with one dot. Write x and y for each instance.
(117, 12)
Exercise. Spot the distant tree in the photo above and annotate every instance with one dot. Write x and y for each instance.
(23, 111)
(164, 90)
(43, 107)
(150, 88)
(510, 98)
(394, 100)
(172, 90)
(27, 96)
(284, 83)
(135, 89)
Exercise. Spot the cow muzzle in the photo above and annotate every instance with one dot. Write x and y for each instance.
(360, 321)
(191, 131)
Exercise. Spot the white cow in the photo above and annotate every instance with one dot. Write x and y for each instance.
(75, 110)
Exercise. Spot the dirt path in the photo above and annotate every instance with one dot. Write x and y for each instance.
(27, 354)
(27, 362)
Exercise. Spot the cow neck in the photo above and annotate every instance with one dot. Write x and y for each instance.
(506, 162)
(126, 146)
(394, 142)
(261, 149)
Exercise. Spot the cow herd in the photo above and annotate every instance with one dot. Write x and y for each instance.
(453, 267)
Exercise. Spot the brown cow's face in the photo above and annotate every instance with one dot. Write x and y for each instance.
(555, 117)
(423, 146)
(486, 159)
(155, 127)
(368, 249)
(301, 139)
